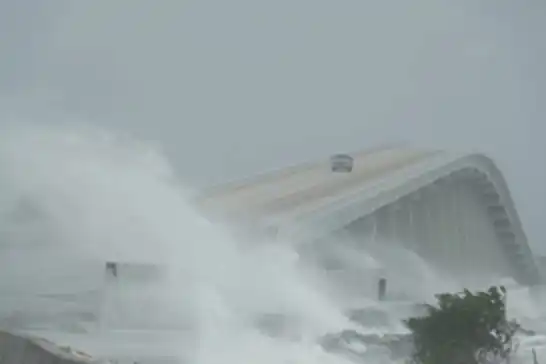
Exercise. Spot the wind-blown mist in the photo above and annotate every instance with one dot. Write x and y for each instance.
(83, 195)
(75, 197)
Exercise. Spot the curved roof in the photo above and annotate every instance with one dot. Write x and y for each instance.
(310, 195)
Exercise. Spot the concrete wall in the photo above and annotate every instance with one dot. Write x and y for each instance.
(16, 349)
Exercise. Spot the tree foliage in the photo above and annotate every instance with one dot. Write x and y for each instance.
(464, 328)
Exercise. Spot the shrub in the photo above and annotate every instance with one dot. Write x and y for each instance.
(464, 328)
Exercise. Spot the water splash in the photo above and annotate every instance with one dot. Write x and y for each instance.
(80, 194)
(73, 197)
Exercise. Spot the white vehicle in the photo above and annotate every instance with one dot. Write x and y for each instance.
(341, 163)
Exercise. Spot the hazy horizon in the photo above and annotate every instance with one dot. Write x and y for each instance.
(233, 88)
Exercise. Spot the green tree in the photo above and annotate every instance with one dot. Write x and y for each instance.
(464, 328)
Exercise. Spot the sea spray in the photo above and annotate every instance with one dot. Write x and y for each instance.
(103, 198)
(74, 197)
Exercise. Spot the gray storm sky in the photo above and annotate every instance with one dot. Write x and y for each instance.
(234, 87)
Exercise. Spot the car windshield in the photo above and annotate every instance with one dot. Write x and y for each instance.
(341, 157)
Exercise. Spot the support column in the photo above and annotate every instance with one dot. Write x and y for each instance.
(400, 216)
(419, 224)
(472, 253)
(460, 213)
(452, 225)
(405, 232)
(373, 218)
(434, 223)
(392, 223)
(384, 225)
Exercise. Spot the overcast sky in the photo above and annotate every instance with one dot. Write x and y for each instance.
(234, 87)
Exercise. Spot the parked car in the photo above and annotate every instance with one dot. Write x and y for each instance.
(341, 163)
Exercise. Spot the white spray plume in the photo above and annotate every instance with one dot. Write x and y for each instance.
(102, 197)
(73, 197)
